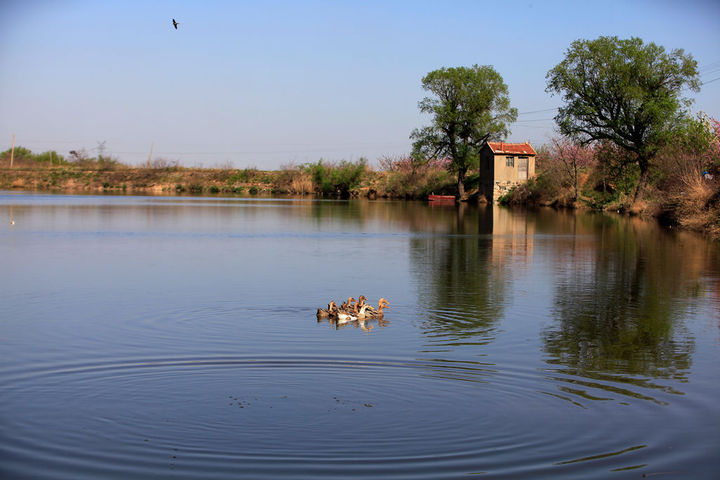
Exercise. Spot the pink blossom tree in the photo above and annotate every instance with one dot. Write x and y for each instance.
(570, 158)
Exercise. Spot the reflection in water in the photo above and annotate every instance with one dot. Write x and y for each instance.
(365, 324)
(465, 276)
(620, 300)
(619, 296)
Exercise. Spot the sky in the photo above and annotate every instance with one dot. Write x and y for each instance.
(270, 84)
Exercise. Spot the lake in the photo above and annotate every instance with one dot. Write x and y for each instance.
(177, 337)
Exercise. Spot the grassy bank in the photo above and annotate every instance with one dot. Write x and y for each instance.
(49, 171)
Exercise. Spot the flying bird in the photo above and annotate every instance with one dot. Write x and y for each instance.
(175, 24)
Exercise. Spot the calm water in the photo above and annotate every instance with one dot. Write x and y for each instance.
(166, 337)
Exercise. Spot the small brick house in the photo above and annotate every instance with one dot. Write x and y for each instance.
(504, 165)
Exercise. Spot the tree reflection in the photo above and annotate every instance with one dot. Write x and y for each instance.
(462, 274)
(619, 300)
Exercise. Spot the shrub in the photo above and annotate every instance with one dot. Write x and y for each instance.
(542, 189)
(243, 176)
(293, 179)
(687, 176)
(409, 178)
(160, 163)
(82, 160)
(336, 178)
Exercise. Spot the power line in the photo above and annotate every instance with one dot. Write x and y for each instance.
(53, 141)
(712, 65)
(712, 70)
(544, 127)
(534, 120)
(257, 152)
(538, 111)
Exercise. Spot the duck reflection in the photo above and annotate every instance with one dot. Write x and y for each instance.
(365, 324)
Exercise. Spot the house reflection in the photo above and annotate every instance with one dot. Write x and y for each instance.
(512, 233)
(463, 276)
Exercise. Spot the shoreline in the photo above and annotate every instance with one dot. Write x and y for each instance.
(154, 181)
(69, 179)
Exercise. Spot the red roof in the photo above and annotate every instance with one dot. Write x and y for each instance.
(511, 148)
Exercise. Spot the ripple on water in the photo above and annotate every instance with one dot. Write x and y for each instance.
(292, 416)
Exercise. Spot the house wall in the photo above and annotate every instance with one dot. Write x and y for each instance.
(487, 173)
(503, 173)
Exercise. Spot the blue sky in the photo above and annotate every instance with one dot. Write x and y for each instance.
(270, 83)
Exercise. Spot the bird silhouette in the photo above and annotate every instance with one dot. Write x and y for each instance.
(175, 24)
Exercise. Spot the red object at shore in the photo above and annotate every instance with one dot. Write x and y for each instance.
(441, 198)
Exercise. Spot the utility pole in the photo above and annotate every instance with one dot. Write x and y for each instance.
(101, 149)
(12, 151)
(150, 155)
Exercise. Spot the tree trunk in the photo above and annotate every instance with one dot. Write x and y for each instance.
(575, 180)
(644, 175)
(461, 184)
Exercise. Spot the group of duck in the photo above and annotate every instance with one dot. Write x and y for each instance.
(352, 309)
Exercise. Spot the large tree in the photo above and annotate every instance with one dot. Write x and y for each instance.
(623, 91)
(469, 106)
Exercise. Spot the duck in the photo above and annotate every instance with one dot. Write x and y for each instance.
(331, 310)
(349, 311)
(353, 310)
(377, 312)
(351, 303)
(344, 317)
(175, 24)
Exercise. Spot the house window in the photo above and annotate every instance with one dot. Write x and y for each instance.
(509, 161)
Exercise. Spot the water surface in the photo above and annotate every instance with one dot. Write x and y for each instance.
(157, 337)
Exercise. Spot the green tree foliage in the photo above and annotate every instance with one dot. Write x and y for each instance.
(23, 157)
(469, 106)
(623, 91)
